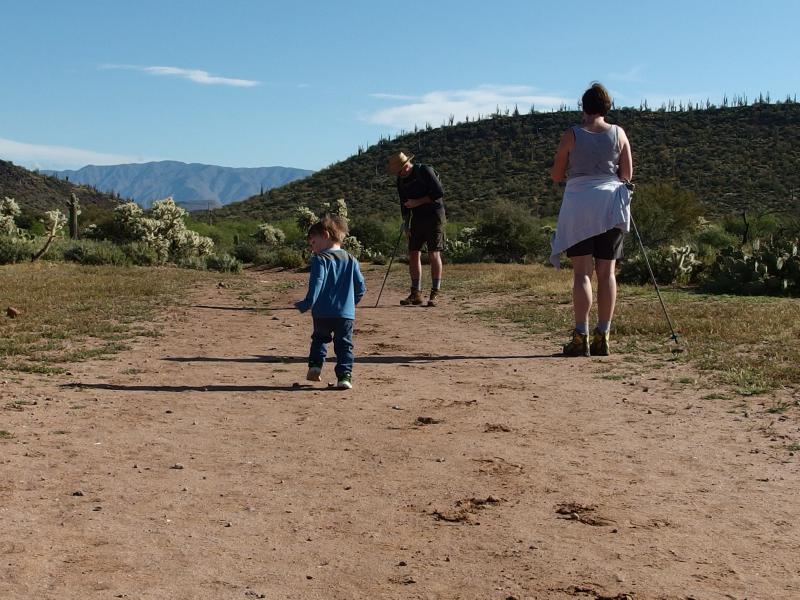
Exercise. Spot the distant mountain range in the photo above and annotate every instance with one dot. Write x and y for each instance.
(195, 186)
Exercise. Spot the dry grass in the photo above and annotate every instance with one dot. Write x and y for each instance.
(748, 342)
(71, 313)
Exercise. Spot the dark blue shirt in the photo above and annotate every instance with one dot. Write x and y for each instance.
(420, 182)
(335, 285)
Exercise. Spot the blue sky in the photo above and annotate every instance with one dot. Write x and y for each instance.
(245, 83)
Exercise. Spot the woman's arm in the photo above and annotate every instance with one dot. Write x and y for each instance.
(559, 170)
(625, 171)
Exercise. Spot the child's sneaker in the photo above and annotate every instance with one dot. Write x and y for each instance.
(344, 382)
(314, 373)
(579, 346)
(599, 345)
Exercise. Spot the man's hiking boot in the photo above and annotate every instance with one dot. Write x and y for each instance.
(314, 373)
(415, 298)
(344, 382)
(432, 300)
(599, 345)
(579, 346)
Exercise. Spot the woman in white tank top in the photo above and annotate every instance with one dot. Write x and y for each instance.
(594, 157)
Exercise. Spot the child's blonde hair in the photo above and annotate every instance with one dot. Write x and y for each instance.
(334, 225)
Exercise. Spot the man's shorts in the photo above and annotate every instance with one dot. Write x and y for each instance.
(427, 230)
(606, 246)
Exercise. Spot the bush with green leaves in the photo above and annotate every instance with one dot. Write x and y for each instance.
(140, 254)
(507, 232)
(223, 262)
(770, 268)
(91, 252)
(376, 235)
(665, 215)
(15, 249)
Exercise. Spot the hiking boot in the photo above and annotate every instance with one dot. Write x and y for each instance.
(344, 382)
(314, 373)
(432, 300)
(415, 298)
(599, 345)
(579, 346)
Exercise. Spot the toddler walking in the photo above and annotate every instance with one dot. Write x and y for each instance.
(335, 286)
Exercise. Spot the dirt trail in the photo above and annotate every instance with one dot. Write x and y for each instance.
(465, 464)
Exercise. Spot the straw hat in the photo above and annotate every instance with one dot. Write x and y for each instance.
(397, 162)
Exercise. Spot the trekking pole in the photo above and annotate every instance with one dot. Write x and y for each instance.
(674, 335)
(396, 246)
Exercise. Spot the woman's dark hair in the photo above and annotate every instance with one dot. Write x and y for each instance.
(596, 100)
(334, 225)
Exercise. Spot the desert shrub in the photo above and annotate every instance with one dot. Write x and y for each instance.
(15, 249)
(712, 239)
(288, 258)
(675, 264)
(509, 233)
(223, 262)
(747, 228)
(90, 252)
(196, 263)
(140, 254)
(664, 214)
(246, 252)
(375, 234)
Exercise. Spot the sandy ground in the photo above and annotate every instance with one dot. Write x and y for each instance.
(466, 463)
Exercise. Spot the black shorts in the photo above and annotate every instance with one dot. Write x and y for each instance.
(427, 230)
(606, 246)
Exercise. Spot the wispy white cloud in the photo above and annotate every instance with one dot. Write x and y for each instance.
(383, 96)
(436, 107)
(195, 75)
(38, 156)
(632, 75)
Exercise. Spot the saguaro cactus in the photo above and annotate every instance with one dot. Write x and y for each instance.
(74, 207)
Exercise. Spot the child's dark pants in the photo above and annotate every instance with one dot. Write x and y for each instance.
(338, 330)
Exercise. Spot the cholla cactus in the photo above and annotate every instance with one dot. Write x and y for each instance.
(305, 218)
(128, 214)
(269, 235)
(163, 230)
(682, 262)
(353, 246)
(8, 210)
(54, 221)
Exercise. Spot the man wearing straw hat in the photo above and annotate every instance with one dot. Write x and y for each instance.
(422, 207)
